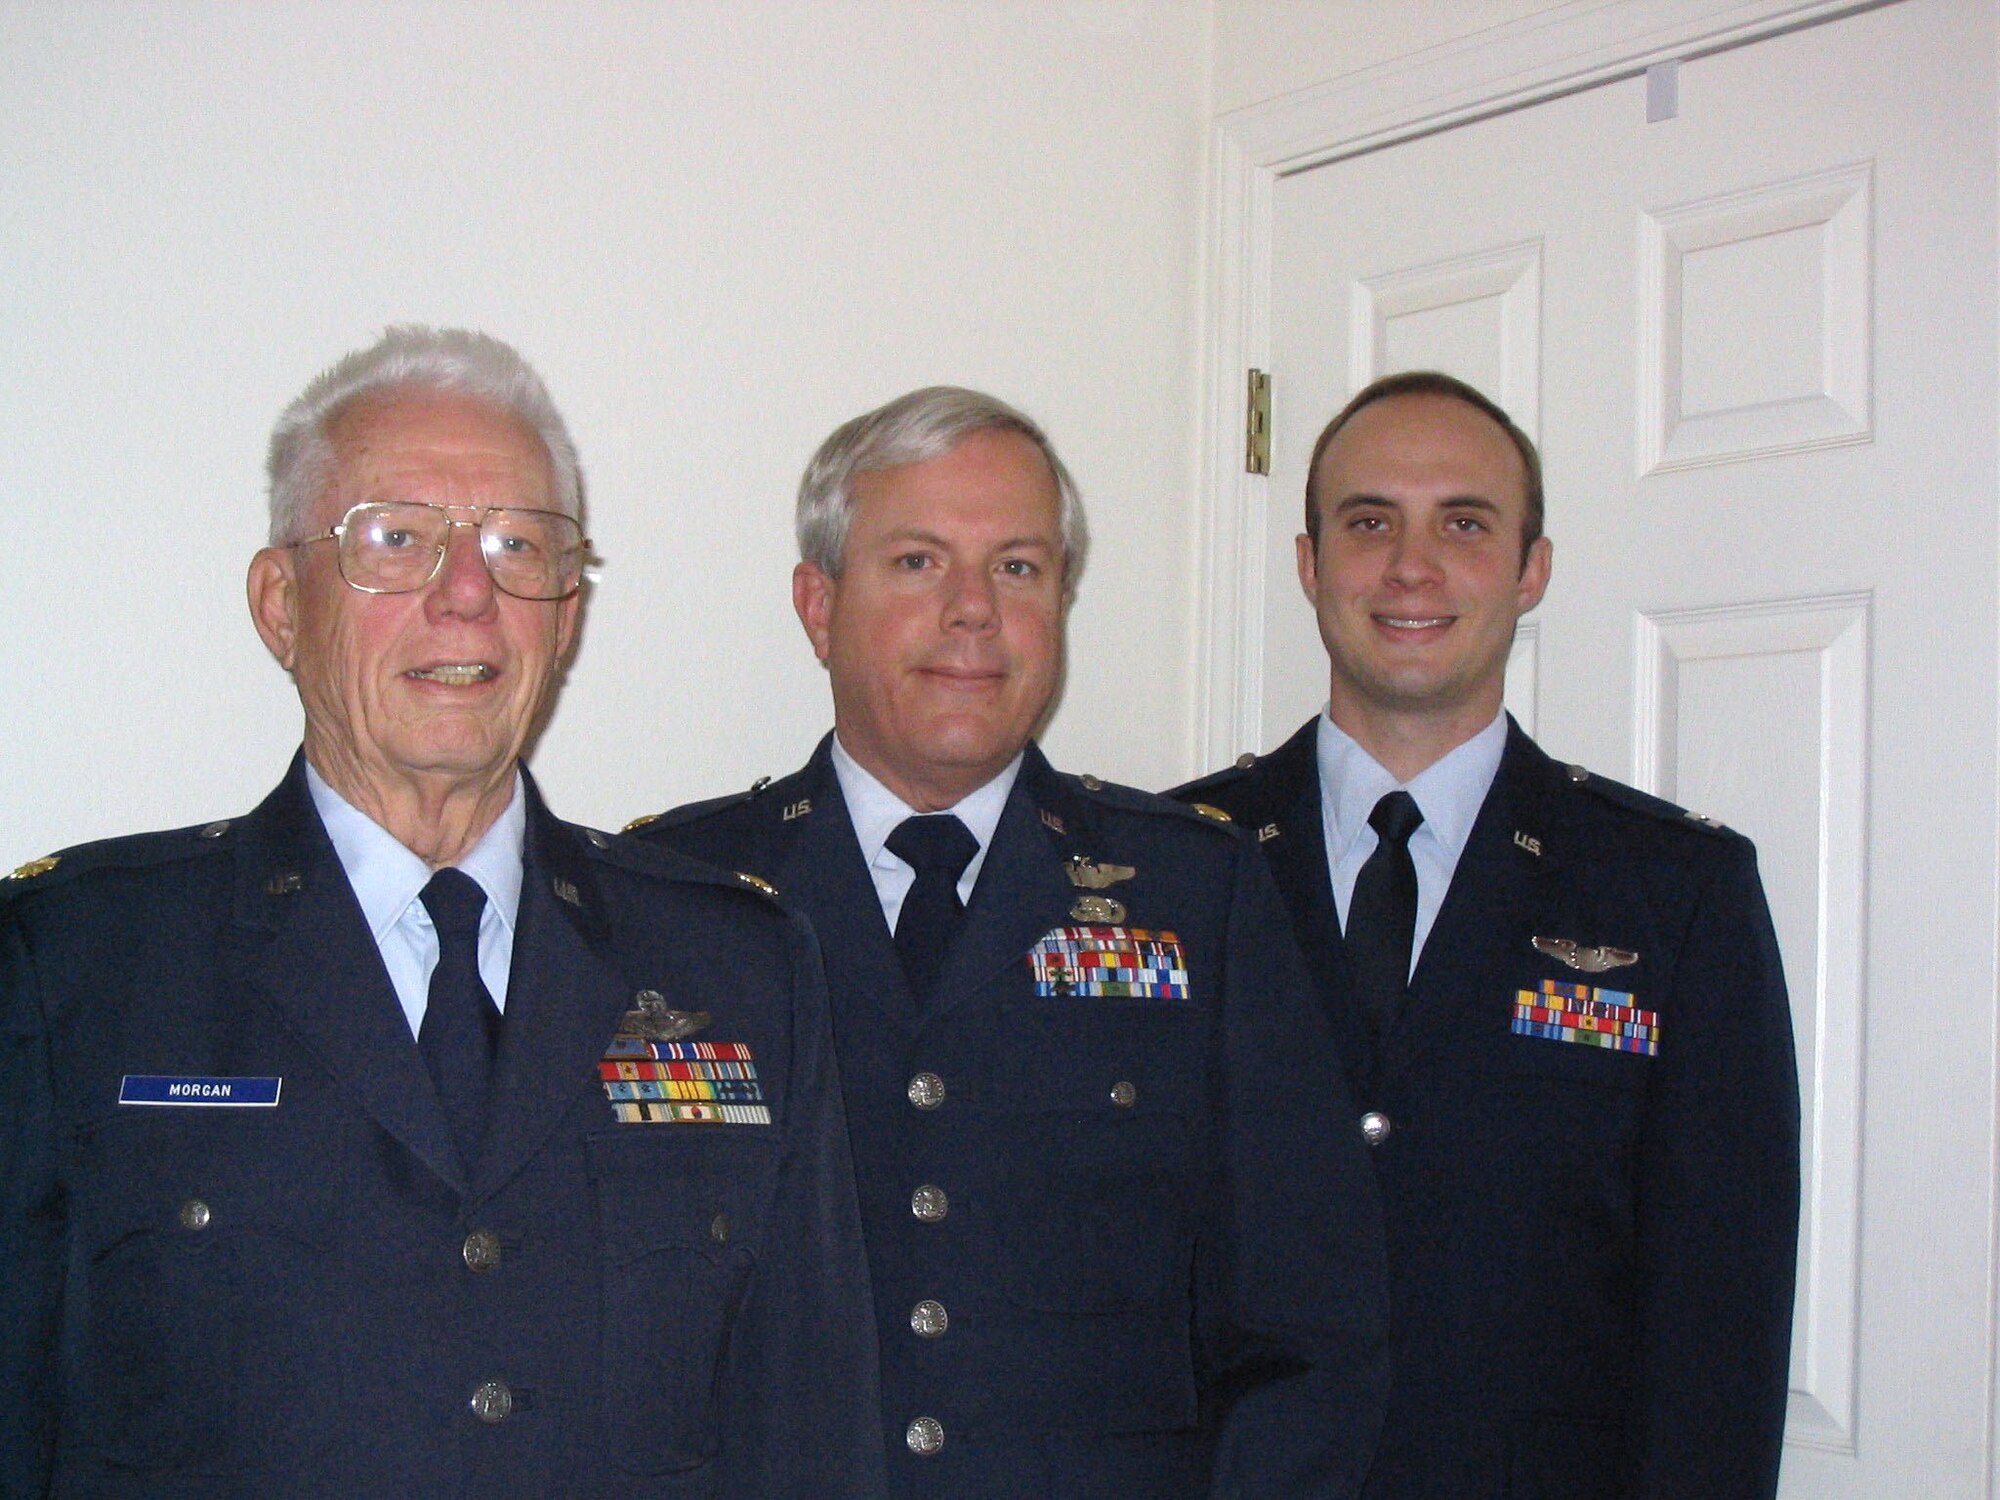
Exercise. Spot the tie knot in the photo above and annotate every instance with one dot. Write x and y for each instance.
(1396, 817)
(936, 843)
(455, 902)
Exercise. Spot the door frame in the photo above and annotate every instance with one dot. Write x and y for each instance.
(1575, 47)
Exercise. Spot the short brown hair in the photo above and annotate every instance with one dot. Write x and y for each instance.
(1433, 383)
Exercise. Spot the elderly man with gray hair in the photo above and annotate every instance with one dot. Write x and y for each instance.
(397, 1138)
(1123, 1238)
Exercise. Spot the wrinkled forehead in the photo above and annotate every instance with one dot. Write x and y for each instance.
(439, 448)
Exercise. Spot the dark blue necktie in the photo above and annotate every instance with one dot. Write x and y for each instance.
(1382, 913)
(938, 847)
(461, 1024)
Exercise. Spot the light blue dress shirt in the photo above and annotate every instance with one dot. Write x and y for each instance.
(387, 879)
(876, 811)
(1448, 792)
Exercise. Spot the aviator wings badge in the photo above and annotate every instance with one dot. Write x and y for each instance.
(651, 1020)
(1585, 960)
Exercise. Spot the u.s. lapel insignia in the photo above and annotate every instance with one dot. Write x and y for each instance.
(284, 883)
(1585, 960)
(1051, 820)
(566, 890)
(1528, 842)
(651, 1019)
(1268, 832)
(797, 809)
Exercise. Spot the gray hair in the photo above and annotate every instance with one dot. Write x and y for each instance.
(412, 357)
(914, 429)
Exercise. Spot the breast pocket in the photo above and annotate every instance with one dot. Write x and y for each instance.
(202, 1260)
(1098, 1105)
(683, 1212)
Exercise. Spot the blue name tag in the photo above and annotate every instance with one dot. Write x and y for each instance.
(239, 1093)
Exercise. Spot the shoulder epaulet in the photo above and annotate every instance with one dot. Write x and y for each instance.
(693, 812)
(135, 851)
(1131, 799)
(652, 857)
(1196, 792)
(1632, 799)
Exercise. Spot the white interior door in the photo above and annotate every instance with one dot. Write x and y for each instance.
(1757, 343)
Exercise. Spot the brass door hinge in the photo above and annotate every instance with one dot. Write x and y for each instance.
(1257, 425)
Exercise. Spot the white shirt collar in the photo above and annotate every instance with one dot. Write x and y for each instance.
(876, 811)
(1449, 792)
(387, 876)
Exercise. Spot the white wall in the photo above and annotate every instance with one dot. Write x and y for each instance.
(1264, 48)
(719, 227)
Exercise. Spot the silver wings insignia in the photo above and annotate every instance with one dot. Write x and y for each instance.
(1588, 960)
(650, 1020)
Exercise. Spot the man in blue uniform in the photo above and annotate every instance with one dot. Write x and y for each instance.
(396, 1138)
(1118, 1216)
(1559, 1002)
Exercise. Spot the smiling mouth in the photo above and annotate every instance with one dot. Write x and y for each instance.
(1414, 624)
(454, 674)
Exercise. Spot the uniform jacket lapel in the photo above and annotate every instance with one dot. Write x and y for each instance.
(565, 995)
(1516, 843)
(817, 860)
(1022, 891)
(1291, 830)
(304, 944)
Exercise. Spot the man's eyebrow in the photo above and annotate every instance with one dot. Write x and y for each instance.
(906, 534)
(1450, 502)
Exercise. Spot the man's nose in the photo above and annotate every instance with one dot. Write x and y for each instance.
(463, 582)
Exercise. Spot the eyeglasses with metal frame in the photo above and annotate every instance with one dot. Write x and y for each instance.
(398, 546)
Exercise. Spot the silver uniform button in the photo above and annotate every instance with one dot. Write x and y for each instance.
(929, 1203)
(925, 1436)
(718, 1229)
(194, 1214)
(1123, 1094)
(481, 1251)
(493, 1402)
(1375, 1127)
(927, 1091)
(929, 1319)
(216, 829)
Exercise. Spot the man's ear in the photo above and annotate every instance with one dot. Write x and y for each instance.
(1534, 575)
(813, 597)
(1308, 567)
(274, 601)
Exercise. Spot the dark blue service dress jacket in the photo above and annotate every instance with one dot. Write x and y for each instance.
(1591, 1247)
(1103, 1227)
(310, 1298)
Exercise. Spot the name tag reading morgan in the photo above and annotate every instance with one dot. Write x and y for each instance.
(199, 1092)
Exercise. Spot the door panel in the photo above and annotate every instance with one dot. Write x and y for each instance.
(1757, 344)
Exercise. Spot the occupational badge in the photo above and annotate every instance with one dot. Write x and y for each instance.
(1585, 960)
(1090, 877)
(650, 1019)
